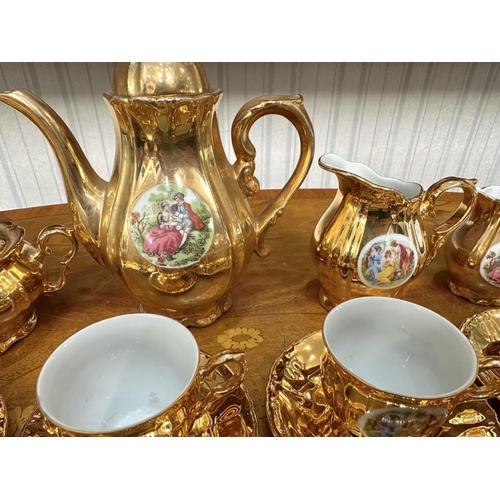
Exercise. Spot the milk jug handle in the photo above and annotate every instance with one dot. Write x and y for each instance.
(291, 108)
(43, 250)
(468, 203)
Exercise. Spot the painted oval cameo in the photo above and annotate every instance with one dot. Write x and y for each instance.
(387, 261)
(490, 265)
(171, 226)
(400, 422)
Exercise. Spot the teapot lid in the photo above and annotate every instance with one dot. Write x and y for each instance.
(134, 79)
(10, 236)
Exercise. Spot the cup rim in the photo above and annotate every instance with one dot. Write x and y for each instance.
(396, 394)
(136, 424)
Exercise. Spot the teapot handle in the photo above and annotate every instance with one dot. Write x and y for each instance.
(43, 250)
(291, 108)
(463, 211)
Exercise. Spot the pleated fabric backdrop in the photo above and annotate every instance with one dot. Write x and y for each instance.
(413, 121)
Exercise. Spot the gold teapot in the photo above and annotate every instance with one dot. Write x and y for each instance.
(24, 277)
(173, 223)
(371, 240)
(472, 253)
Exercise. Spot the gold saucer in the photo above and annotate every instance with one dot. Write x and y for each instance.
(296, 404)
(3, 418)
(483, 332)
(230, 415)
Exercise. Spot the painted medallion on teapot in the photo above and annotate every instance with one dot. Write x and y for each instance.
(171, 226)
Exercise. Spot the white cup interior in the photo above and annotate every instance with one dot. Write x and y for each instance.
(117, 373)
(400, 347)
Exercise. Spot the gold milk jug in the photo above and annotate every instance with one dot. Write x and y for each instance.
(173, 224)
(371, 240)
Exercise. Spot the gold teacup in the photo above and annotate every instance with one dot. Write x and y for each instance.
(393, 368)
(131, 375)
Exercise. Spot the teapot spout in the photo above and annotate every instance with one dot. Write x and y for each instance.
(84, 188)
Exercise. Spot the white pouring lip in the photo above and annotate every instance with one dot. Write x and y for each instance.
(408, 189)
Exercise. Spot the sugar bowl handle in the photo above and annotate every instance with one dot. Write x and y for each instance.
(43, 250)
(469, 200)
(291, 108)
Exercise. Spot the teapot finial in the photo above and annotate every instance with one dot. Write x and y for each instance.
(134, 79)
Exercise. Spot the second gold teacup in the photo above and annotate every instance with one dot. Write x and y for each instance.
(131, 375)
(393, 368)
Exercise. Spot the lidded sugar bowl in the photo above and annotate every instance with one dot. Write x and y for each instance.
(24, 277)
(472, 253)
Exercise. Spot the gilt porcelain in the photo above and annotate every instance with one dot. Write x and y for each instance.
(130, 375)
(372, 240)
(472, 253)
(394, 368)
(24, 277)
(173, 224)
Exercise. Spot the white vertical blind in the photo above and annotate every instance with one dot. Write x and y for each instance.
(414, 121)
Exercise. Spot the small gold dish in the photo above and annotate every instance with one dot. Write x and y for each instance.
(296, 405)
(483, 331)
(230, 415)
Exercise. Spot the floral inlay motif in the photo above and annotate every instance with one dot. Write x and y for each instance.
(17, 418)
(240, 338)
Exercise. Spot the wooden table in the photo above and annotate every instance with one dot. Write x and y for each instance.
(277, 296)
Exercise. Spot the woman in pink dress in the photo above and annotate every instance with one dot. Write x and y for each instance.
(494, 274)
(164, 239)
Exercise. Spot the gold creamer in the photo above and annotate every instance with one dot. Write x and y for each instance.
(371, 240)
